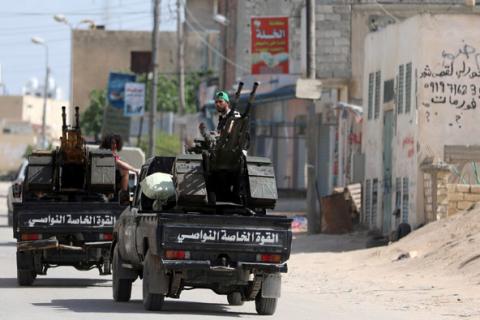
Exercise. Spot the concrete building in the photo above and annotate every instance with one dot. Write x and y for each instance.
(29, 109)
(20, 125)
(420, 80)
(96, 53)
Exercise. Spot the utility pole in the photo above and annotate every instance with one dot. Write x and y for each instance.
(153, 91)
(313, 218)
(180, 61)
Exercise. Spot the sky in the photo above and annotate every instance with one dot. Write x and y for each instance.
(20, 20)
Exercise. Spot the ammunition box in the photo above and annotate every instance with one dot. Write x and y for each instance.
(102, 171)
(40, 172)
(190, 181)
(261, 179)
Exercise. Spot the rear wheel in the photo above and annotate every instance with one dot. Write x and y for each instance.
(235, 299)
(265, 306)
(122, 288)
(25, 269)
(151, 301)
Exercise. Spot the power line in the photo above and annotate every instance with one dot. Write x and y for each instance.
(215, 50)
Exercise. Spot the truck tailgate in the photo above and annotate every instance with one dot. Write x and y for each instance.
(66, 216)
(217, 232)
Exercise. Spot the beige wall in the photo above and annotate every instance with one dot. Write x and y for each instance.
(33, 109)
(11, 107)
(431, 43)
(96, 53)
(12, 149)
(30, 109)
(362, 15)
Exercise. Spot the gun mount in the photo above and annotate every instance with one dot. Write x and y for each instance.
(217, 170)
(70, 169)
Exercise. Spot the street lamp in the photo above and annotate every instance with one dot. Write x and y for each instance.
(40, 41)
(60, 18)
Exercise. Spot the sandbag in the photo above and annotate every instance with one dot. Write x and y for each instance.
(158, 186)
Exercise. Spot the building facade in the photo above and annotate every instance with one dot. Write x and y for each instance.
(421, 85)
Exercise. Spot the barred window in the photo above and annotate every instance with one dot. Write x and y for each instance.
(400, 87)
(405, 200)
(373, 222)
(378, 83)
(370, 95)
(398, 193)
(408, 87)
(368, 201)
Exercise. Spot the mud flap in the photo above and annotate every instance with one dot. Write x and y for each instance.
(271, 285)
(158, 280)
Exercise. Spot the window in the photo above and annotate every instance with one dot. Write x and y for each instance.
(370, 95)
(398, 193)
(400, 89)
(388, 91)
(378, 83)
(405, 200)
(374, 202)
(368, 201)
(408, 88)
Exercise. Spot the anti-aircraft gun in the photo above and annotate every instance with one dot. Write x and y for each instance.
(218, 174)
(68, 207)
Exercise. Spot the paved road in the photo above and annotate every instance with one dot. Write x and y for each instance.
(66, 293)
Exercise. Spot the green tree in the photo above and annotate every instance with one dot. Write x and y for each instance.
(91, 120)
(166, 145)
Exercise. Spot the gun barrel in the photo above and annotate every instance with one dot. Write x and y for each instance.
(64, 119)
(77, 118)
(237, 95)
(251, 99)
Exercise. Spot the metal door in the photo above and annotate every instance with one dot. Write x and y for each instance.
(387, 170)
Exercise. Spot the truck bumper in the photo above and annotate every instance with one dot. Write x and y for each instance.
(206, 265)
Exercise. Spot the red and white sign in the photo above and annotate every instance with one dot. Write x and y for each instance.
(269, 45)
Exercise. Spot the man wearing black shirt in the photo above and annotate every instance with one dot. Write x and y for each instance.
(222, 104)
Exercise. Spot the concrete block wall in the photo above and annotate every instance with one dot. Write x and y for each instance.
(461, 197)
(333, 33)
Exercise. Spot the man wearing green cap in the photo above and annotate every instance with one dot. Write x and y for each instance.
(222, 103)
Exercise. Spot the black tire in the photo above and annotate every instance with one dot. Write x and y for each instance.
(235, 299)
(122, 288)
(265, 306)
(402, 230)
(25, 269)
(151, 301)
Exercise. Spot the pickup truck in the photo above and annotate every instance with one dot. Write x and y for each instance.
(51, 234)
(230, 250)
(67, 206)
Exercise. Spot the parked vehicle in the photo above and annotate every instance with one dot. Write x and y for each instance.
(14, 190)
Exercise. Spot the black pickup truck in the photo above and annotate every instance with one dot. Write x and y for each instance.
(68, 206)
(51, 234)
(226, 248)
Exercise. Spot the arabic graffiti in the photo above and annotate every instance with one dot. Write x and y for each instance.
(99, 220)
(230, 236)
(454, 85)
(408, 143)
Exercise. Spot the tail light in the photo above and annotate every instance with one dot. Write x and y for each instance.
(105, 236)
(271, 258)
(31, 236)
(16, 190)
(177, 254)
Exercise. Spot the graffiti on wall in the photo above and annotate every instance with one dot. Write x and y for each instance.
(456, 85)
(408, 145)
